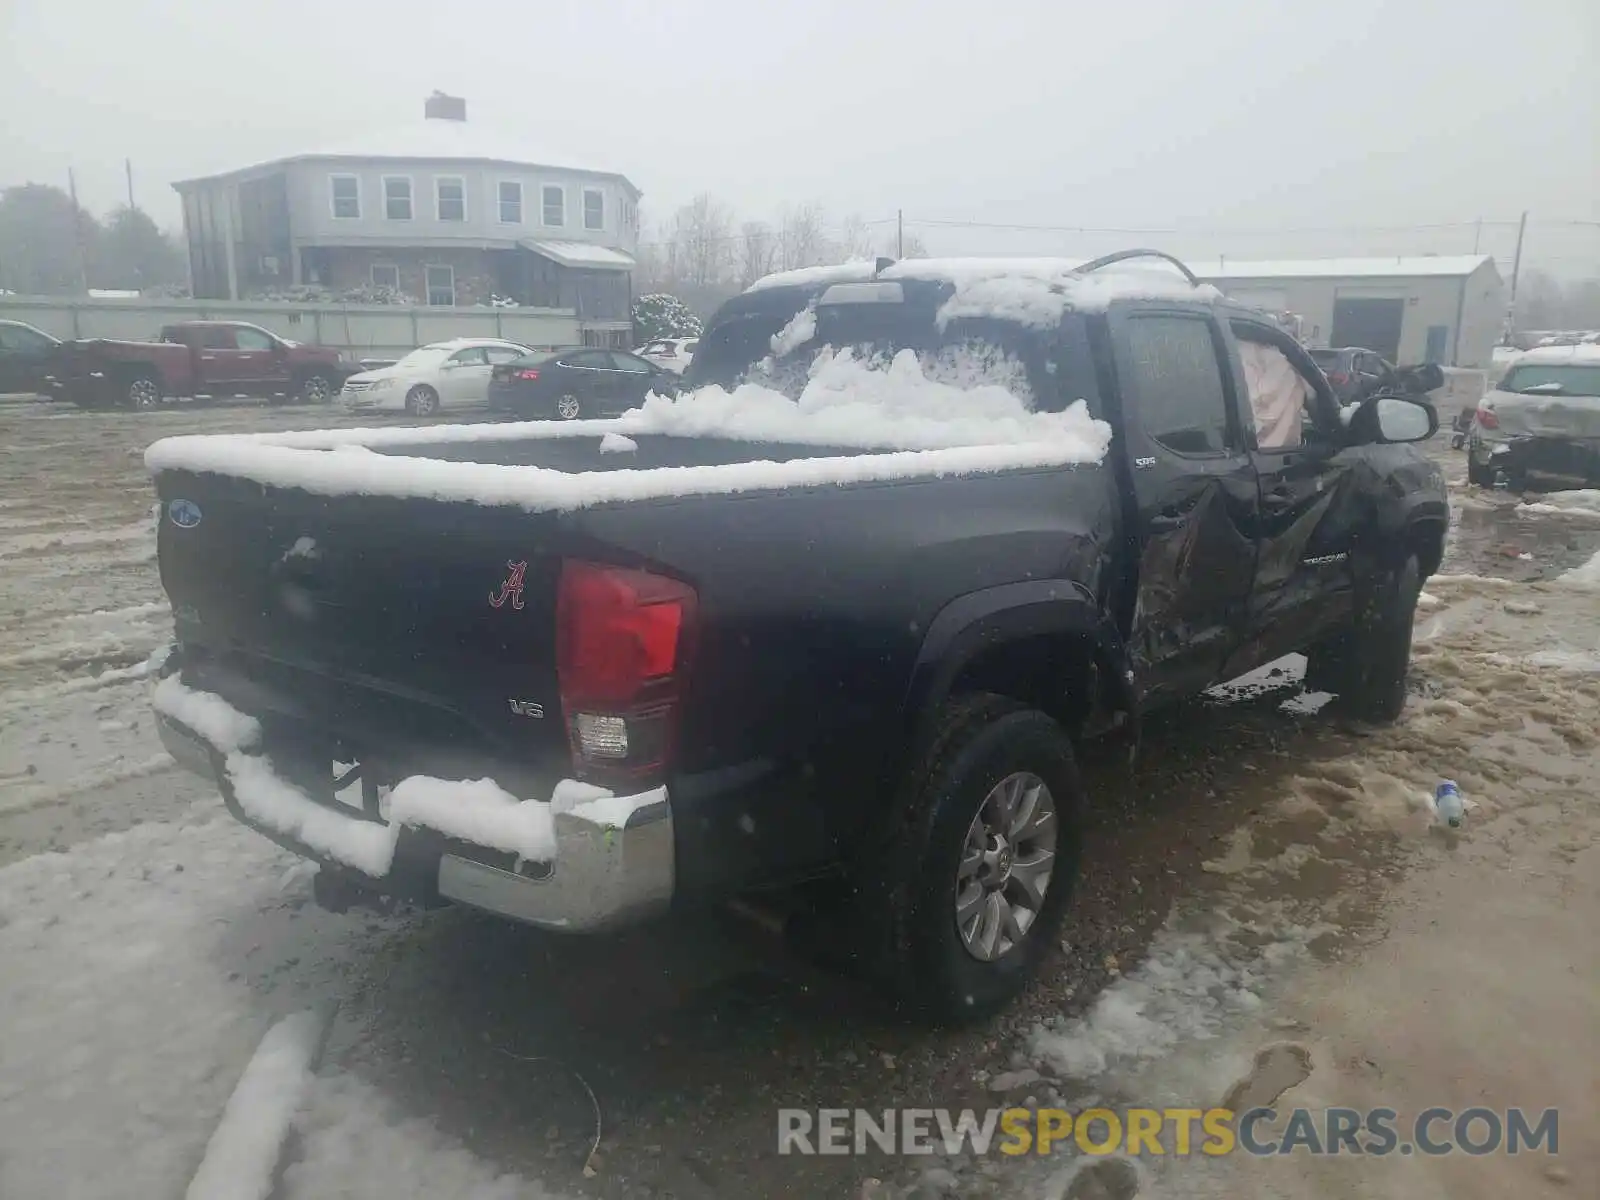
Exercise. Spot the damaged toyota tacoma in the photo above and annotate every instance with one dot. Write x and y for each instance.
(838, 615)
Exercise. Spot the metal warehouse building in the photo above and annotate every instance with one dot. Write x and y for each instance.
(1447, 309)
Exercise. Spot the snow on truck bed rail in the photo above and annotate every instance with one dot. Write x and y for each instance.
(899, 421)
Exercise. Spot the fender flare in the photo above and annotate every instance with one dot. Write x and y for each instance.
(993, 616)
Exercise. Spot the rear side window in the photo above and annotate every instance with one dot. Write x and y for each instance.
(1177, 383)
(1557, 379)
(252, 339)
(217, 339)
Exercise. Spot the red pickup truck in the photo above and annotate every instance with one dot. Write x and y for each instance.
(195, 358)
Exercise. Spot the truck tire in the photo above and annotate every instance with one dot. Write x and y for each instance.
(1366, 665)
(317, 388)
(422, 401)
(141, 392)
(966, 925)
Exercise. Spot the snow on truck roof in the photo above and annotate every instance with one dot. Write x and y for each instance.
(1030, 291)
(900, 422)
(1132, 273)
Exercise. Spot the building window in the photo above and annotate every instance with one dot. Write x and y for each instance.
(397, 197)
(594, 209)
(345, 191)
(555, 205)
(510, 202)
(450, 197)
(386, 276)
(442, 286)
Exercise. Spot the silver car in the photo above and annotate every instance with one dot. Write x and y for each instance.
(1544, 415)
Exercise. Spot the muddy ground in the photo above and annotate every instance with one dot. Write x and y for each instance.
(1241, 884)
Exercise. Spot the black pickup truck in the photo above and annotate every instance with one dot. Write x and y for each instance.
(575, 674)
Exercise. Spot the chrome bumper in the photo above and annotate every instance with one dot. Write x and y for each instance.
(601, 876)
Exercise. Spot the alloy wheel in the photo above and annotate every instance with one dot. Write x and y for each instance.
(1005, 866)
(144, 394)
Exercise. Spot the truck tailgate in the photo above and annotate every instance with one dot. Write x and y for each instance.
(379, 620)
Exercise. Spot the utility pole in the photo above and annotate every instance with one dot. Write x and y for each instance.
(1477, 235)
(1516, 261)
(77, 232)
(128, 166)
(899, 233)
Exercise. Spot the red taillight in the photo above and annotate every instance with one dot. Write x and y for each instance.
(1487, 419)
(527, 373)
(622, 643)
(1338, 378)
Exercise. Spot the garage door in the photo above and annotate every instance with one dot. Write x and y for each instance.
(1372, 323)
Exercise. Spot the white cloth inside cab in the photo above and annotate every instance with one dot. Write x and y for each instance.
(1278, 394)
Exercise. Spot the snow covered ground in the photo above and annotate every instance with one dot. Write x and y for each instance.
(1268, 874)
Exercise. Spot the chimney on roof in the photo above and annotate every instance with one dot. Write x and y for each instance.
(440, 107)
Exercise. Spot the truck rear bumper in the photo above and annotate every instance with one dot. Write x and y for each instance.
(607, 870)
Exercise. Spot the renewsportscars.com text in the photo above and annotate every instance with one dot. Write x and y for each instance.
(1168, 1131)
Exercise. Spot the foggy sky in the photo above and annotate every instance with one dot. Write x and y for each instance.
(1230, 123)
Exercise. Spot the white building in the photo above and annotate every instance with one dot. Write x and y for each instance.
(441, 211)
(1447, 309)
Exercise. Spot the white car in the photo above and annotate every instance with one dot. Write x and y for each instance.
(671, 354)
(453, 374)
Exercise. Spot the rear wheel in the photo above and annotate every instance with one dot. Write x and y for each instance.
(980, 869)
(422, 401)
(141, 393)
(569, 407)
(316, 388)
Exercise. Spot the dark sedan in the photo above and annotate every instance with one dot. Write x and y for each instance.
(1354, 373)
(581, 381)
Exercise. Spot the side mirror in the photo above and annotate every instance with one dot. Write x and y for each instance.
(1398, 420)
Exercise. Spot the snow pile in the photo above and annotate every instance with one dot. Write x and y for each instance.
(353, 1144)
(802, 327)
(596, 805)
(1187, 989)
(242, 1156)
(135, 992)
(212, 717)
(1040, 296)
(850, 401)
(923, 424)
(1582, 503)
(1587, 575)
(276, 803)
(477, 811)
(615, 443)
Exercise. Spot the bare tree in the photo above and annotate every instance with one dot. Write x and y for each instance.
(703, 231)
(800, 240)
(910, 246)
(854, 241)
(757, 250)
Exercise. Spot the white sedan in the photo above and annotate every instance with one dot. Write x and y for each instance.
(453, 374)
(671, 354)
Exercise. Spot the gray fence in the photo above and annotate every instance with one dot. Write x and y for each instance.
(365, 330)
